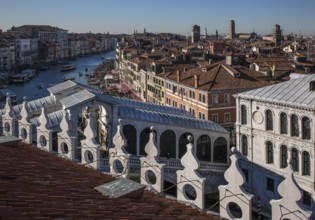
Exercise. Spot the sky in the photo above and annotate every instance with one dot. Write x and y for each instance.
(173, 16)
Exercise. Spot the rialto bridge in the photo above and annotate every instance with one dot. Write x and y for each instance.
(79, 124)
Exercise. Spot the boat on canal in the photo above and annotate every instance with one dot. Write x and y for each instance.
(69, 78)
(40, 85)
(24, 76)
(68, 67)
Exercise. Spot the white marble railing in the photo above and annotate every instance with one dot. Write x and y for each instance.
(219, 167)
(172, 164)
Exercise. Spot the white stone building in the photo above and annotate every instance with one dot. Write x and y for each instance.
(274, 124)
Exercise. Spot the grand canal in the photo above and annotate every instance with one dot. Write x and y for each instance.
(53, 76)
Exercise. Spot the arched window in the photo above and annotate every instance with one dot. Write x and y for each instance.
(295, 159)
(243, 115)
(204, 148)
(168, 144)
(244, 145)
(283, 123)
(183, 142)
(130, 134)
(283, 156)
(306, 164)
(220, 150)
(306, 129)
(294, 126)
(269, 120)
(269, 152)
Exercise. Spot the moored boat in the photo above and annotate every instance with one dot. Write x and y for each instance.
(67, 67)
(68, 78)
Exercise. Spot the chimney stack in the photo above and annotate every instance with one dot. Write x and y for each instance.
(185, 68)
(178, 73)
(196, 81)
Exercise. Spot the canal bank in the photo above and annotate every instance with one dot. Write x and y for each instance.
(37, 87)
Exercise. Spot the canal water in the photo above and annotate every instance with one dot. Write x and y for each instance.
(53, 76)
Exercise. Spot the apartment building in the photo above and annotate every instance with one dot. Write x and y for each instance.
(207, 92)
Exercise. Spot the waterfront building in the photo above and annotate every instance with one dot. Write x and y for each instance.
(47, 33)
(7, 52)
(26, 50)
(275, 125)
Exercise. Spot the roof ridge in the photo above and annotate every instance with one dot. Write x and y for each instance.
(215, 76)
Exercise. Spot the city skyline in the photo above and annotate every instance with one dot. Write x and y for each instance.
(176, 16)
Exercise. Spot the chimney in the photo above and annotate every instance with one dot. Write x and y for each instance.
(196, 81)
(178, 75)
(185, 69)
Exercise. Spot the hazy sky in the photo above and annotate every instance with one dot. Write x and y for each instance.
(175, 16)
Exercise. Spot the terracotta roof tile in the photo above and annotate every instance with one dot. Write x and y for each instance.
(219, 77)
(35, 184)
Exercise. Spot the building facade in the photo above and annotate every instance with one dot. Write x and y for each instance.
(207, 92)
(275, 125)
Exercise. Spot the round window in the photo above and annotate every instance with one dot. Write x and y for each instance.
(234, 210)
(189, 192)
(7, 127)
(118, 167)
(43, 141)
(23, 133)
(64, 148)
(150, 177)
(89, 156)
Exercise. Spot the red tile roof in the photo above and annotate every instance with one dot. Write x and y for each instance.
(35, 184)
(220, 77)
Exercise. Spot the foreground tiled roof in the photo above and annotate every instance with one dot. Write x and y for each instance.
(37, 185)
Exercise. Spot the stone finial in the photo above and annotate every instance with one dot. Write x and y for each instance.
(189, 160)
(289, 204)
(234, 172)
(25, 110)
(8, 106)
(90, 130)
(43, 118)
(119, 139)
(151, 163)
(294, 194)
(190, 176)
(151, 148)
(234, 191)
(65, 123)
(119, 152)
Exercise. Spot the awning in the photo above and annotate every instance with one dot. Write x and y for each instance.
(125, 89)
